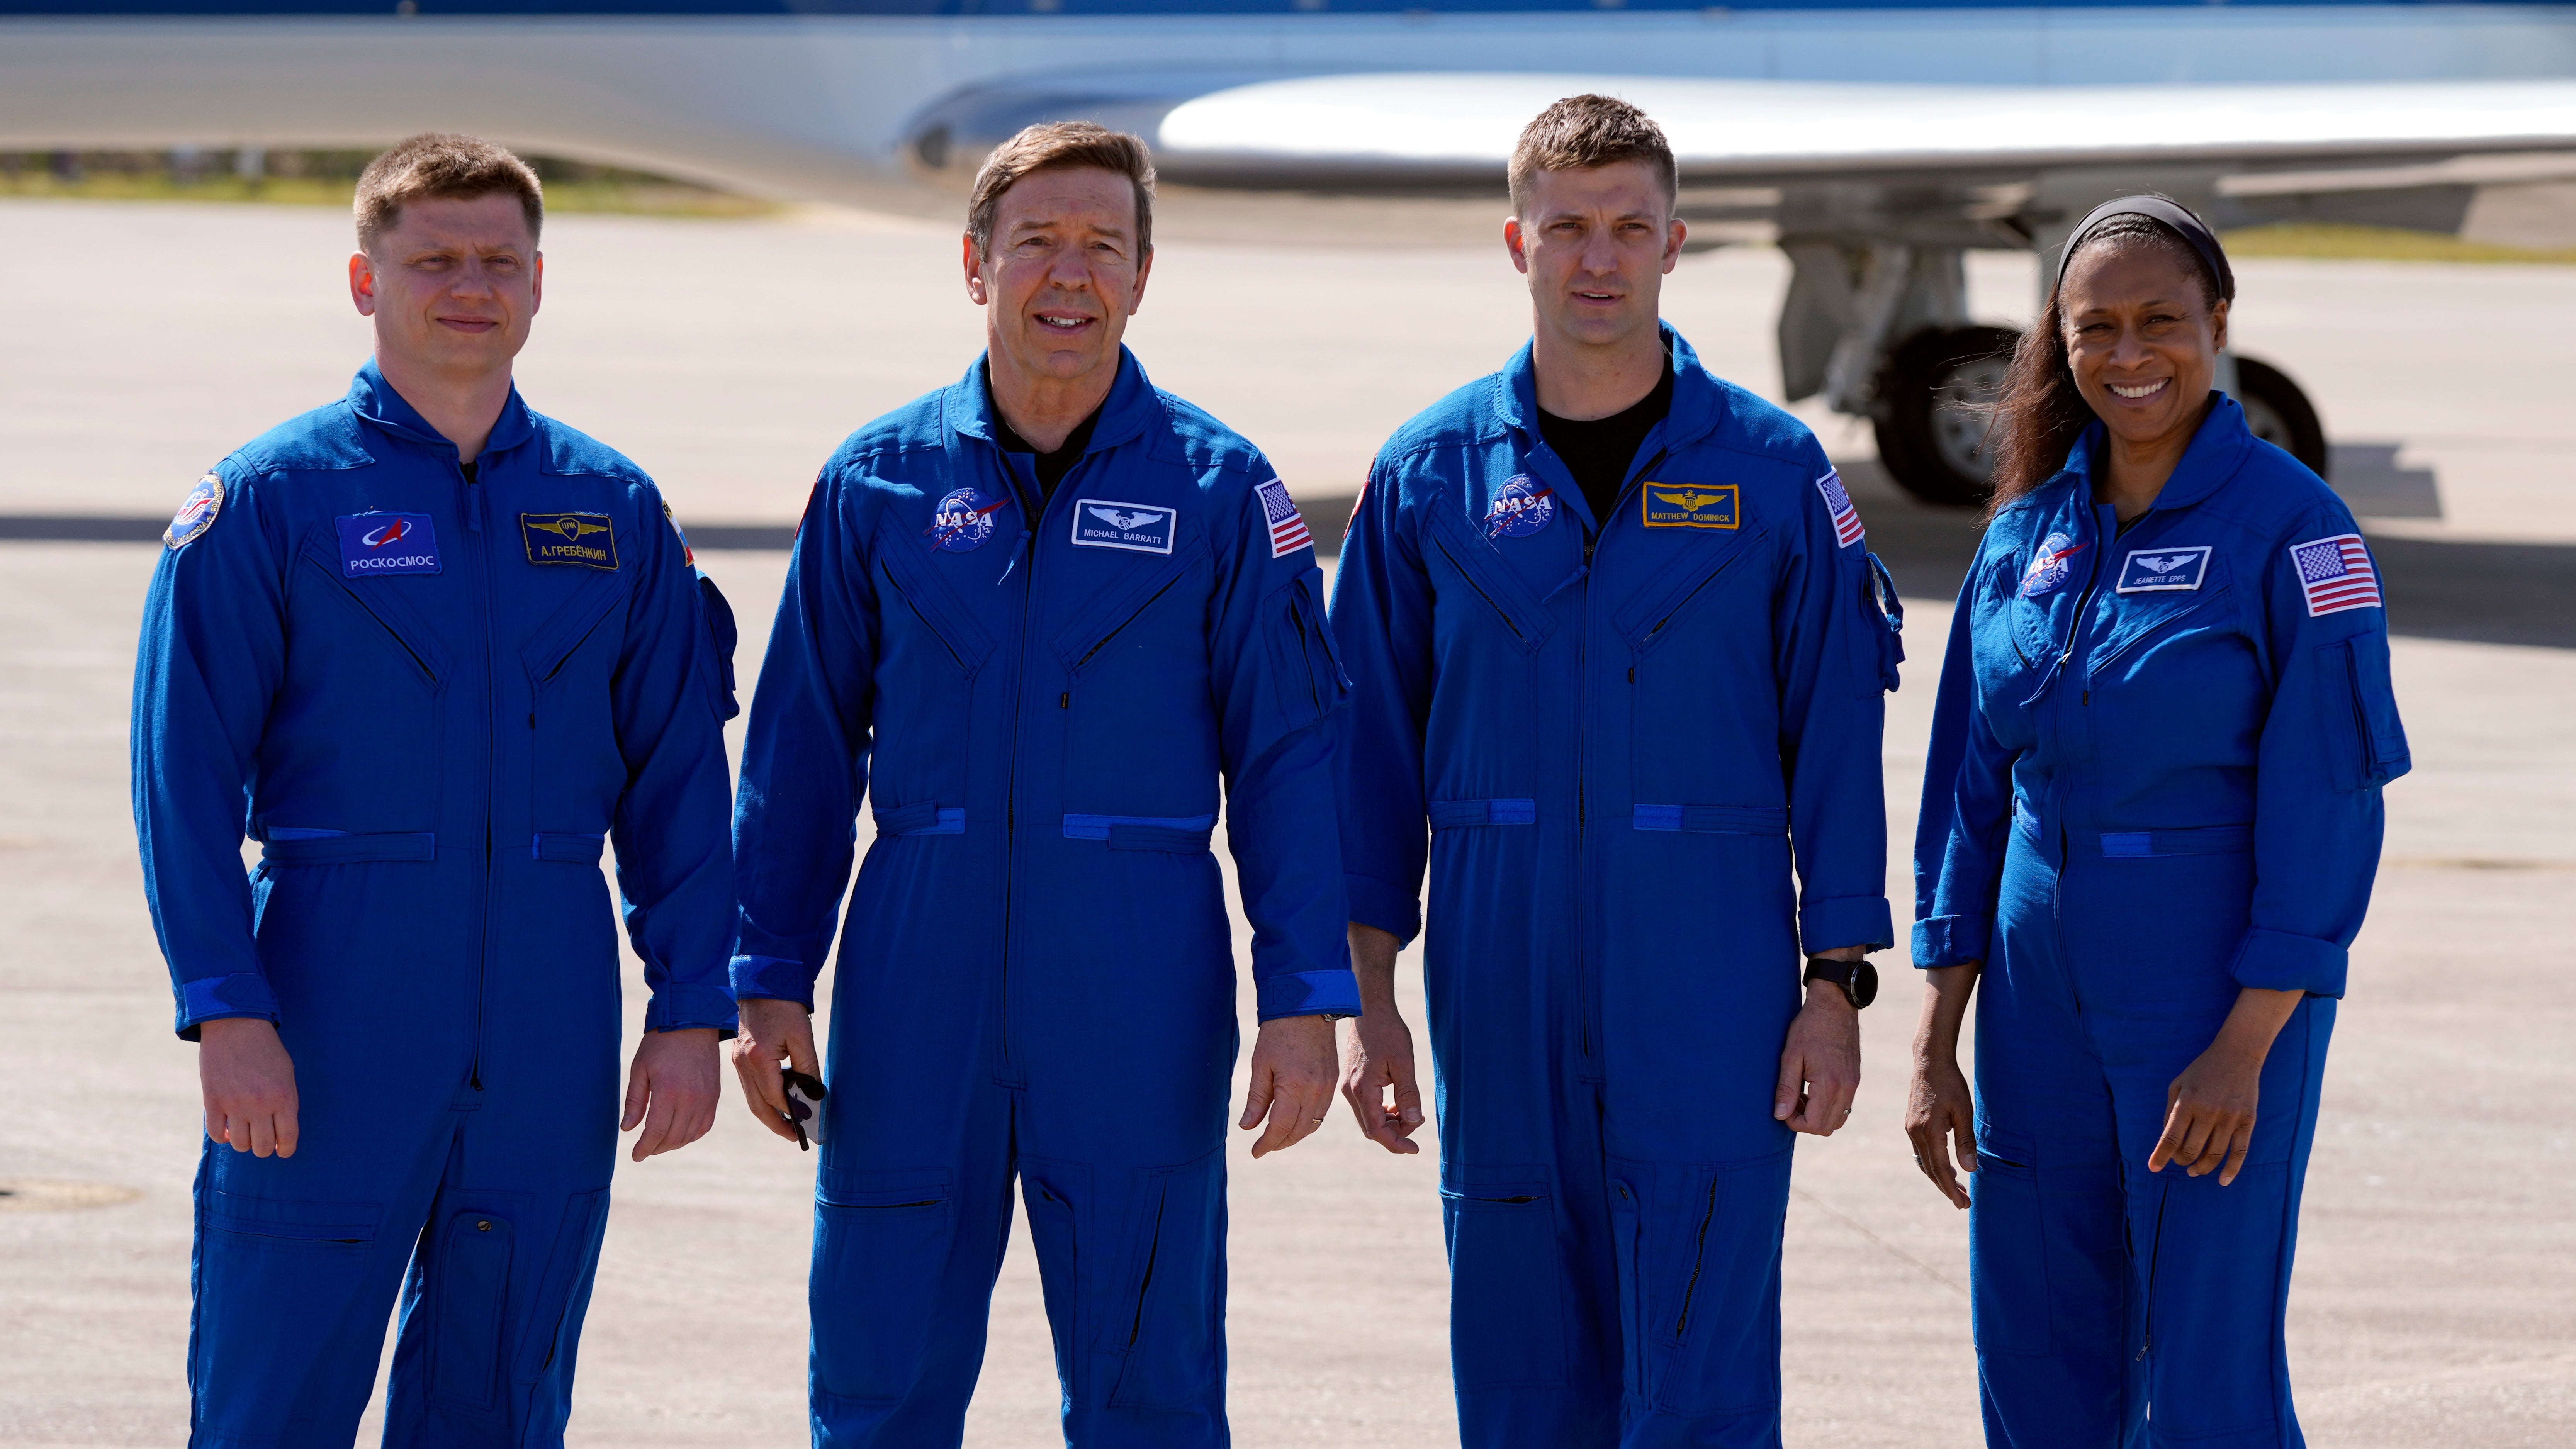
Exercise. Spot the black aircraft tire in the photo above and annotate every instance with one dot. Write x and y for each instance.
(2280, 414)
(1928, 443)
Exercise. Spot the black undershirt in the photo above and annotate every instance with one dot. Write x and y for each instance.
(1600, 452)
(1051, 467)
(468, 469)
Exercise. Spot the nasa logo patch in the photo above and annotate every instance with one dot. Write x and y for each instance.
(1689, 506)
(962, 521)
(2163, 570)
(197, 513)
(376, 545)
(1108, 523)
(1521, 507)
(2051, 565)
(585, 539)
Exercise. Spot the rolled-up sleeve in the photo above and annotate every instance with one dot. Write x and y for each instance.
(1382, 617)
(2331, 739)
(804, 760)
(211, 662)
(1280, 691)
(1967, 806)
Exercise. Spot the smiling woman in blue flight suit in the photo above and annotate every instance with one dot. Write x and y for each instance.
(435, 651)
(2150, 821)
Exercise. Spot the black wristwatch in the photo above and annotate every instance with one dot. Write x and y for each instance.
(1858, 979)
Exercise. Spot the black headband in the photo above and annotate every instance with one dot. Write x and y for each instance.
(2155, 208)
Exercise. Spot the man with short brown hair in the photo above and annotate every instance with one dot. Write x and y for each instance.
(1038, 620)
(1616, 643)
(436, 652)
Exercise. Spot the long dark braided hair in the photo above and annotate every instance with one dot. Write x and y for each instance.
(2039, 414)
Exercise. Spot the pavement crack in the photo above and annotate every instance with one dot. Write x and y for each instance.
(1917, 1264)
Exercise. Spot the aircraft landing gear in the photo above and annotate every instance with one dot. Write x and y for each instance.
(2278, 413)
(1932, 433)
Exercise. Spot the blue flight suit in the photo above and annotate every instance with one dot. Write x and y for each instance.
(1610, 726)
(2154, 779)
(431, 702)
(1037, 975)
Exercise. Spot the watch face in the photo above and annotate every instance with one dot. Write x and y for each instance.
(1864, 984)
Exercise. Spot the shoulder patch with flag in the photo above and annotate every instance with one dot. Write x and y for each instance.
(1287, 527)
(1847, 529)
(2336, 574)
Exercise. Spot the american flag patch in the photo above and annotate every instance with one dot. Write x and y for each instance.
(1287, 528)
(1847, 529)
(2336, 574)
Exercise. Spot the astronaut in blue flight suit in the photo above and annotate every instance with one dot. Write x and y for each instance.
(1614, 634)
(433, 650)
(1036, 618)
(2151, 816)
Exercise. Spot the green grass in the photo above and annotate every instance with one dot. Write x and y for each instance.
(2378, 244)
(627, 197)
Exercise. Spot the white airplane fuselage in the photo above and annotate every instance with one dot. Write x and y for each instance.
(830, 107)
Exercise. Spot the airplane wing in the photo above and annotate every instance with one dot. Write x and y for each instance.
(1405, 131)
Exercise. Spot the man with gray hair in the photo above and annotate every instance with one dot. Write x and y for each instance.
(1617, 644)
(1038, 618)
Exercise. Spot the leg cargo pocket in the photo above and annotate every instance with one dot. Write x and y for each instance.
(1713, 1289)
(1174, 1335)
(472, 1295)
(1506, 1294)
(2007, 1259)
(879, 1256)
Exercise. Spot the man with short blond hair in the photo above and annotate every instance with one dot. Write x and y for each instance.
(436, 652)
(1616, 643)
(1039, 620)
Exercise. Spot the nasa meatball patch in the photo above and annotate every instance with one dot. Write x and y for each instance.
(1521, 507)
(1107, 523)
(380, 545)
(197, 513)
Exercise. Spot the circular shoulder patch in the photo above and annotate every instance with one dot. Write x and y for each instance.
(1521, 507)
(197, 514)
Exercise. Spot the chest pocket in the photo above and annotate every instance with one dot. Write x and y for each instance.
(1140, 733)
(2011, 633)
(576, 770)
(1488, 628)
(1496, 606)
(2139, 621)
(359, 653)
(929, 651)
(1703, 692)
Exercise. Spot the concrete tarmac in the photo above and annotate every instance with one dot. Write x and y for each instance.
(2436, 1295)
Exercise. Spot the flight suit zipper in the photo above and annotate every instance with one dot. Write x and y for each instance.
(1585, 987)
(480, 552)
(1006, 1053)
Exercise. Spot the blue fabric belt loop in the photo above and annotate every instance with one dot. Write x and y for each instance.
(2208, 840)
(1451, 814)
(301, 848)
(575, 849)
(1712, 819)
(926, 818)
(1098, 827)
